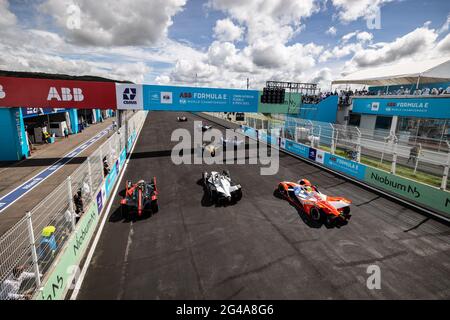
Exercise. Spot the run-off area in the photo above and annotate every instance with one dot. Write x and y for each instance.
(261, 247)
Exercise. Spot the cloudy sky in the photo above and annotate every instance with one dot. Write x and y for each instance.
(219, 42)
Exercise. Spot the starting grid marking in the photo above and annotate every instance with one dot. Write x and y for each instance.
(29, 185)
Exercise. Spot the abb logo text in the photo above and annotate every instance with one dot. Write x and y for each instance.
(66, 94)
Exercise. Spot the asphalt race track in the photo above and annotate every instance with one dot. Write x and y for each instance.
(261, 247)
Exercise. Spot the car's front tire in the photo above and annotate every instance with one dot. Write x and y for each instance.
(281, 191)
(237, 195)
(154, 206)
(125, 212)
(316, 214)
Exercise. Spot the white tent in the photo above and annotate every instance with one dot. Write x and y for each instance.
(425, 71)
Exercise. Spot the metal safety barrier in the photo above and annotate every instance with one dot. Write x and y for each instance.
(422, 159)
(30, 247)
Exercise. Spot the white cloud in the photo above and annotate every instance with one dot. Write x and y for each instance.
(271, 21)
(24, 60)
(220, 52)
(269, 25)
(225, 55)
(445, 26)
(364, 36)
(226, 30)
(115, 22)
(297, 57)
(116, 40)
(331, 31)
(322, 77)
(351, 10)
(7, 18)
(270, 56)
(163, 79)
(444, 45)
(44, 51)
(419, 41)
(340, 52)
(188, 71)
(348, 36)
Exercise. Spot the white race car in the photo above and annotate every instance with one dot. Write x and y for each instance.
(211, 148)
(220, 188)
(231, 142)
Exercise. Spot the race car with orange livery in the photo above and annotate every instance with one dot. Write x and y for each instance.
(140, 198)
(319, 207)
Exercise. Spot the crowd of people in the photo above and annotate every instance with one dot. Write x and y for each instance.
(416, 92)
(316, 98)
(345, 95)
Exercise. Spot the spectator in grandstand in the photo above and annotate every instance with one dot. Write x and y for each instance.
(345, 95)
(10, 288)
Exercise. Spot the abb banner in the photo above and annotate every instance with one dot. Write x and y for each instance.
(48, 93)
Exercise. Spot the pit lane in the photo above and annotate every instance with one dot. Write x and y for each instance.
(260, 248)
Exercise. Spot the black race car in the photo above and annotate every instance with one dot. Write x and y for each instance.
(204, 127)
(182, 119)
(140, 198)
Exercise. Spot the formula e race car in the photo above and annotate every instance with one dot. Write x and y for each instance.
(204, 127)
(211, 148)
(234, 142)
(316, 205)
(220, 188)
(182, 119)
(140, 198)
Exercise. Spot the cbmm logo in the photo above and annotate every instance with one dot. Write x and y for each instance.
(129, 94)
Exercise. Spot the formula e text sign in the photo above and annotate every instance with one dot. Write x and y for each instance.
(199, 99)
(424, 107)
